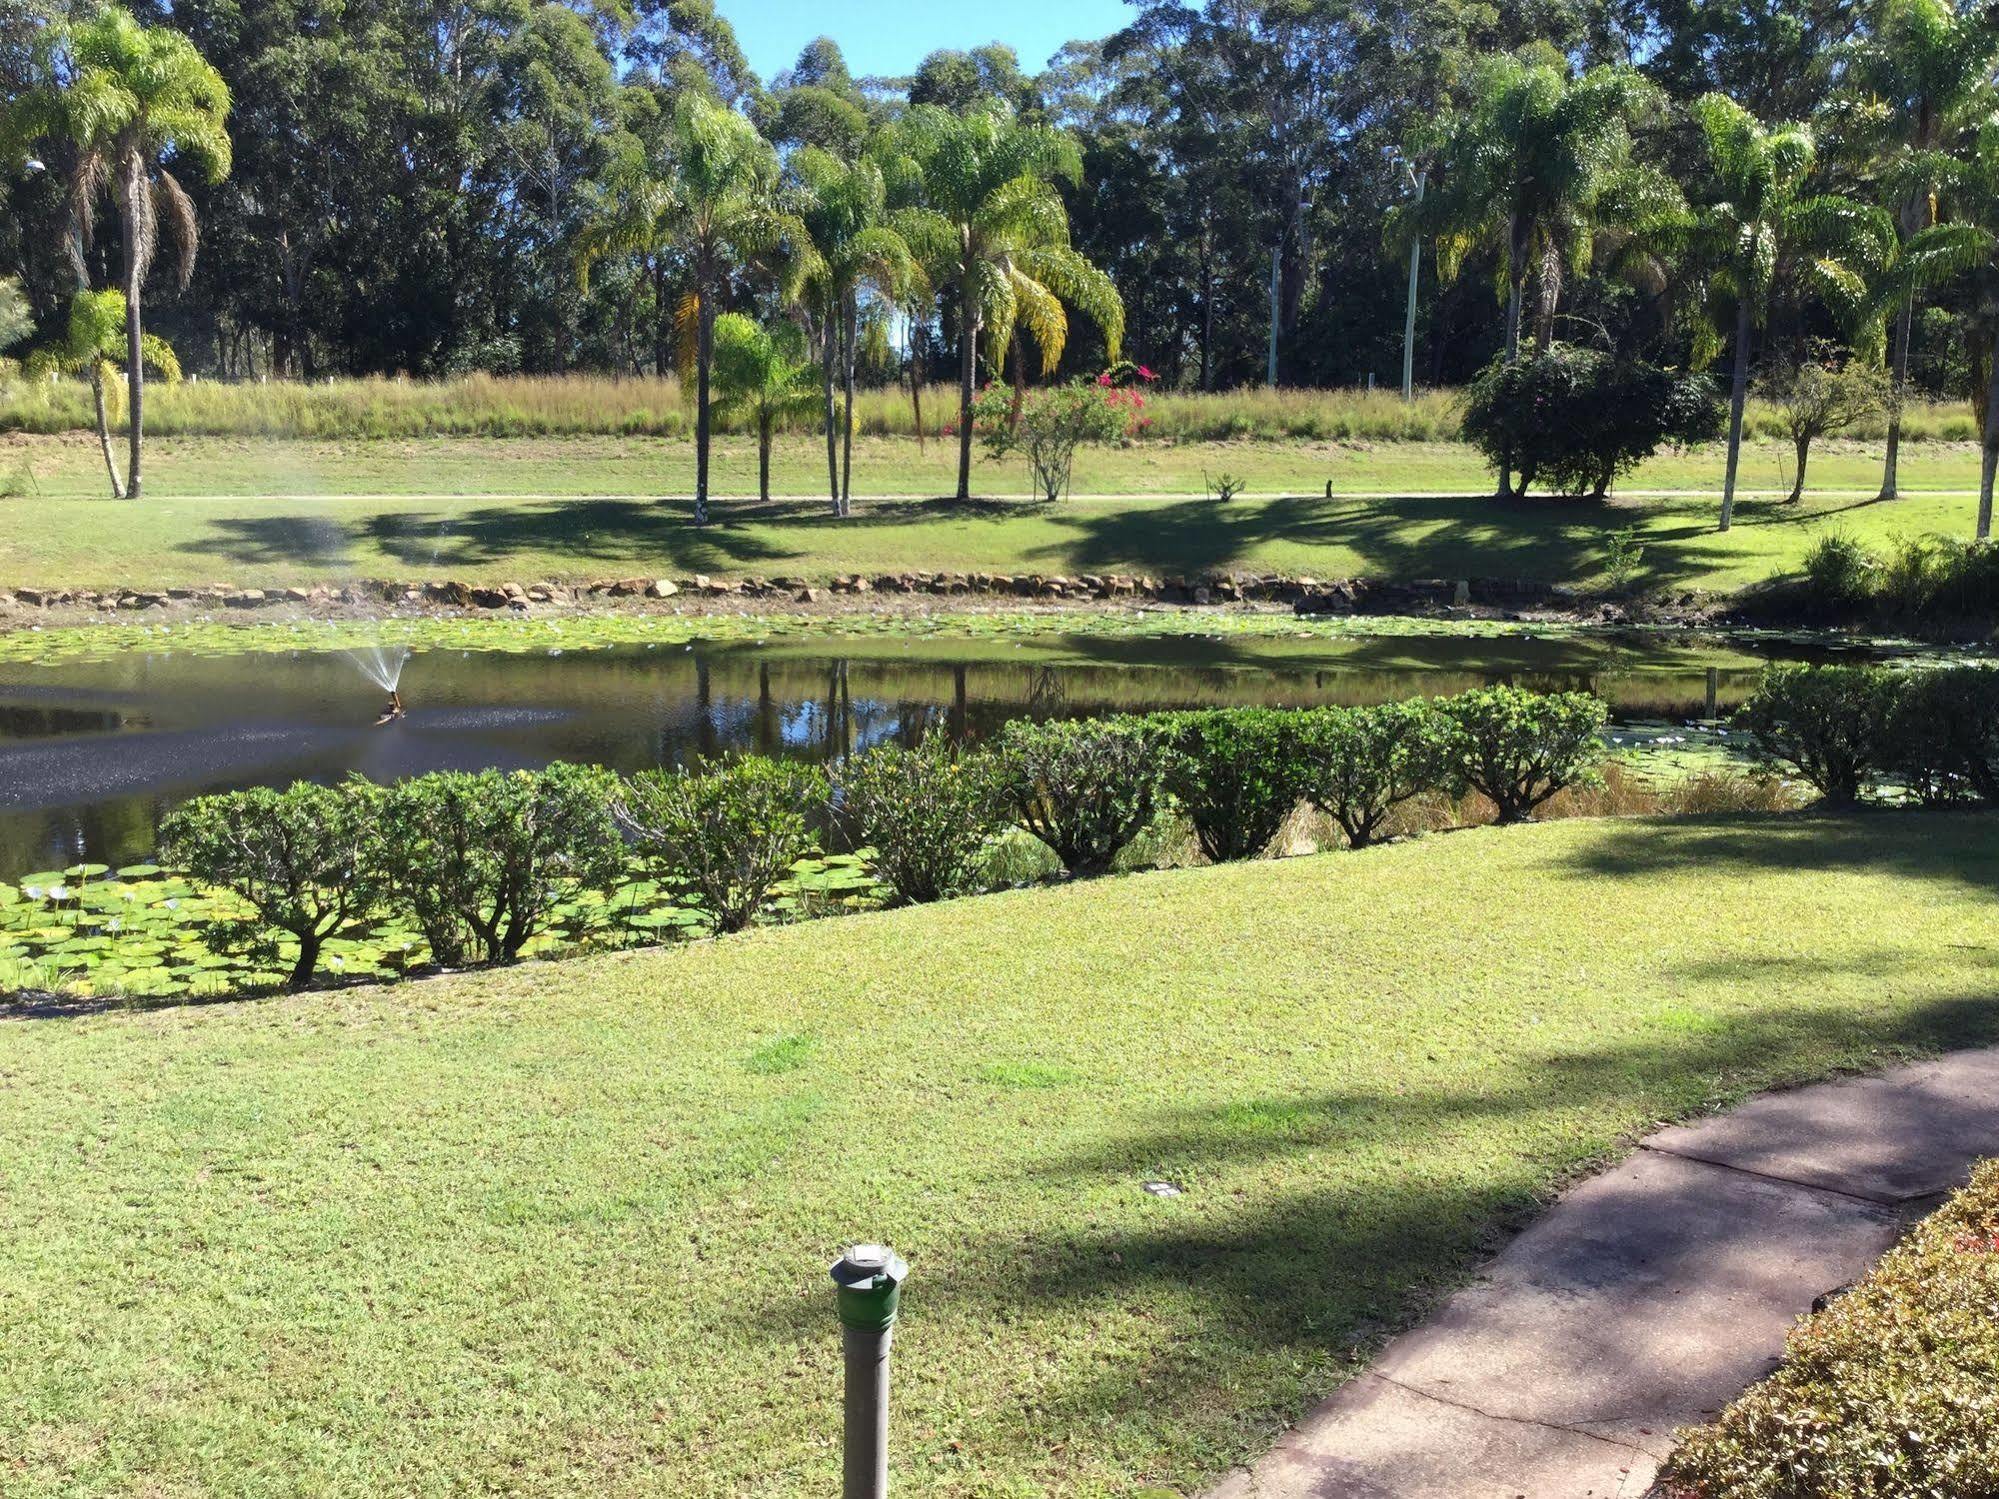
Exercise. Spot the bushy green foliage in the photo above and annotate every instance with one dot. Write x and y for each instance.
(1519, 748)
(1840, 576)
(1943, 735)
(1826, 725)
(1361, 763)
(480, 859)
(728, 831)
(1052, 423)
(1574, 419)
(1891, 1389)
(1085, 788)
(928, 814)
(300, 857)
(1236, 773)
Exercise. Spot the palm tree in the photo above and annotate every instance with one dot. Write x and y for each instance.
(763, 375)
(125, 100)
(859, 249)
(716, 203)
(1758, 226)
(1525, 169)
(1917, 85)
(1966, 242)
(93, 347)
(994, 227)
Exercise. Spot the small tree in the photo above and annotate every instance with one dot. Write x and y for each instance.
(1047, 426)
(93, 346)
(1085, 788)
(16, 320)
(1817, 397)
(1575, 419)
(1360, 764)
(299, 857)
(729, 832)
(927, 813)
(1519, 748)
(762, 375)
(481, 859)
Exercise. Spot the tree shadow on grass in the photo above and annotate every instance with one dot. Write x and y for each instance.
(271, 540)
(1957, 848)
(1545, 540)
(1274, 1300)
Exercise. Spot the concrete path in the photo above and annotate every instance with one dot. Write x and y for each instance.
(1645, 1300)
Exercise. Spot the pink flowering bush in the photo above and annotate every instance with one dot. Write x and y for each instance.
(1052, 421)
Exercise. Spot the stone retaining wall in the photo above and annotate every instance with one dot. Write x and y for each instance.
(1305, 595)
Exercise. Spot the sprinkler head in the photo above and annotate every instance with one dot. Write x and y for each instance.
(869, 1278)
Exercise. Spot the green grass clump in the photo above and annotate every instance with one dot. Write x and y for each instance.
(549, 1229)
(1892, 1389)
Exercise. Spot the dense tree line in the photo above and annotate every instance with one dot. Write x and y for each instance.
(416, 181)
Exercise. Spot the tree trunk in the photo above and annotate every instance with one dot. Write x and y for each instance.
(1897, 388)
(704, 354)
(1738, 394)
(968, 355)
(662, 341)
(308, 960)
(763, 457)
(104, 428)
(827, 355)
(1991, 446)
(850, 314)
(1804, 447)
(135, 370)
(916, 385)
(1276, 291)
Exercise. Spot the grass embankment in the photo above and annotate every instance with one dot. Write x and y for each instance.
(596, 405)
(257, 513)
(547, 1230)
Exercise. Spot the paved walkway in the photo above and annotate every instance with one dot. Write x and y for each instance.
(1645, 1300)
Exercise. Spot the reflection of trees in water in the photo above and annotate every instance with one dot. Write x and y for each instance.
(638, 708)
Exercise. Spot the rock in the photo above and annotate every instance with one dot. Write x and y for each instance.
(489, 598)
(245, 598)
(1203, 596)
(33, 597)
(1461, 593)
(663, 588)
(808, 595)
(454, 593)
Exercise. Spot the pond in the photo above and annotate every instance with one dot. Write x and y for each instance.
(93, 751)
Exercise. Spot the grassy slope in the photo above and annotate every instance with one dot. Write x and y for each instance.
(560, 1229)
(274, 512)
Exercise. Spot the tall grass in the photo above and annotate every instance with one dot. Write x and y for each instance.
(597, 405)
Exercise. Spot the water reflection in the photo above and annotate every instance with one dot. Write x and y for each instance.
(92, 753)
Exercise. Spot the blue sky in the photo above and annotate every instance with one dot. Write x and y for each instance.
(893, 36)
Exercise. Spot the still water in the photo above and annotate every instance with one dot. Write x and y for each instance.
(92, 753)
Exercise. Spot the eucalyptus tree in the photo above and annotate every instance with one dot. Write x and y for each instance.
(1526, 167)
(128, 103)
(763, 375)
(858, 247)
(1917, 85)
(716, 203)
(1760, 223)
(994, 229)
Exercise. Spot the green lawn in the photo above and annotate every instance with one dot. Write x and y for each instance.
(279, 512)
(563, 1229)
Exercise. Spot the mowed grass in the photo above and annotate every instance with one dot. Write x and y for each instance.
(564, 1229)
(281, 512)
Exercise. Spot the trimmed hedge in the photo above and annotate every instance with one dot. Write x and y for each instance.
(1890, 1392)
(1237, 775)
